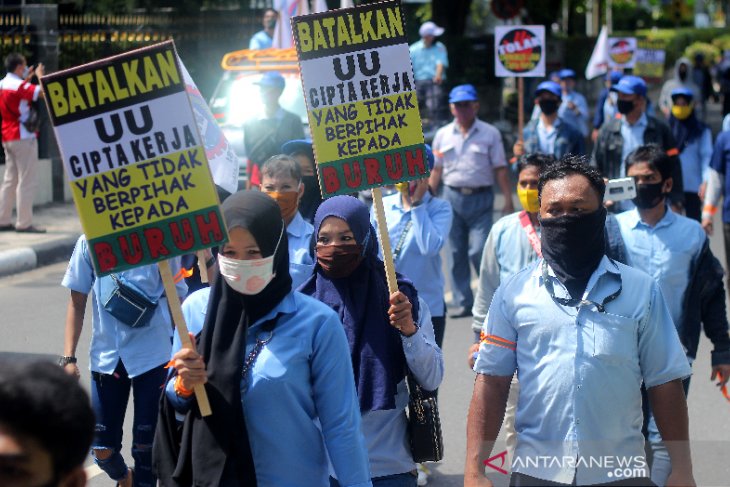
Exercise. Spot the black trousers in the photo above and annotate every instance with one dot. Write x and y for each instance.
(693, 206)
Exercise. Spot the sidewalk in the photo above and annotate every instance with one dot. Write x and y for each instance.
(20, 252)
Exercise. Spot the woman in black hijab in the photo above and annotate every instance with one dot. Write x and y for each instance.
(388, 334)
(273, 364)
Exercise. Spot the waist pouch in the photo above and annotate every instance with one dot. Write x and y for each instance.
(126, 302)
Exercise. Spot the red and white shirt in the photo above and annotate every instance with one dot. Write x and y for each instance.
(16, 95)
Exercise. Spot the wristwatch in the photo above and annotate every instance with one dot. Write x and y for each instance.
(65, 360)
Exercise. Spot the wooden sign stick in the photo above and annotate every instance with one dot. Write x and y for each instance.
(182, 329)
(384, 240)
(202, 267)
(520, 108)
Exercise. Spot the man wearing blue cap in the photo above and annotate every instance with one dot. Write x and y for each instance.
(549, 134)
(263, 136)
(634, 127)
(469, 159)
(574, 108)
(606, 104)
(694, 141)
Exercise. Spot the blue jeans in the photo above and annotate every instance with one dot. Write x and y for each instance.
(109, 397)
(661, 466)
(469, 230)
(398, 480)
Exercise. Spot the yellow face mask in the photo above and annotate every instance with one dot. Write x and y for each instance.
(528, 198)
(681, 113)
(402, 187)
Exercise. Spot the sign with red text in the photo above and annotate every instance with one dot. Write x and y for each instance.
(519, 50)
(621, 52)
(134, 158)
(361, 97)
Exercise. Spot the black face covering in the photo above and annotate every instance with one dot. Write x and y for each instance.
(648, 195)
(548, 107)
(311, 198)
(573, 245)
(625, 106)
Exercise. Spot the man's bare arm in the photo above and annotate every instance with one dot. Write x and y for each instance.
(486, 413)
(669, 405)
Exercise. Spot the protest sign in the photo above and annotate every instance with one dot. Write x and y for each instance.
(137, 165)
(361, 99)
(134, 158)
(650, 57)
(621, 52)
(519, 50)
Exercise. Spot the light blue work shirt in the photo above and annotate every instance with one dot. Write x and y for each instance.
(546, 138)
(299, 399)
(695, 159)
(424, 59)
(140, 349)
(578, 119)
(299, 233)
(633, 136)
(666, 251)
(260, 40)
(386, 434)
(507, 251)
(580, 370)
(419, 258)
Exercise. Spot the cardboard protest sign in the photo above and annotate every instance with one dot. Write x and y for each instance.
(135, 160)
(650, 57)
(519, 50)
(621, 52)
(361, 98)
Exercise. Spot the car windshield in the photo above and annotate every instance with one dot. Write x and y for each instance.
(238, 97)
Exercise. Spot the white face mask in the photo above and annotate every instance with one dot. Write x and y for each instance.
(248, 277)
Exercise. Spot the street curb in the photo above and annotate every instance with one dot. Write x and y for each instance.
(24, 259)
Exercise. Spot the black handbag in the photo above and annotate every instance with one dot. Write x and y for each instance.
(424, 424)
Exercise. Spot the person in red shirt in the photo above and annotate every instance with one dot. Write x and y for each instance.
(20, 144)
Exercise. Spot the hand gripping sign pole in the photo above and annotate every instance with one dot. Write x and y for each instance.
(137, 166)
(362, 106)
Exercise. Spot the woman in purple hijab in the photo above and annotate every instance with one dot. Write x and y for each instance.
(388, 334)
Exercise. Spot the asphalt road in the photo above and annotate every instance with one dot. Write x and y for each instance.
(33, 306)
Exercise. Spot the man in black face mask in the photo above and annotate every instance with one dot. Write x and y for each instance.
(675, 251)
(634, 127)
(549, 133)
(584, 332)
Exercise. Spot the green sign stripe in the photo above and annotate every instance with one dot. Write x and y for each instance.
(358, 173)
(136, 247)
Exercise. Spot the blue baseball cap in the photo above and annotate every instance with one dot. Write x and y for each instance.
(630, 85)
(271, 79)
(614, 76)
(463, 93)
(550, 87)
(297, 145)
(567, 73)
(682, 91)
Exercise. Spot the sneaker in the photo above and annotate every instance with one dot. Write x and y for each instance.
(422, 474)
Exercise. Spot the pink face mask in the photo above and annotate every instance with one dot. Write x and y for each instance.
(248, 276)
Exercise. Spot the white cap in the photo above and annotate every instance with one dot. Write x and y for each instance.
(430, 29)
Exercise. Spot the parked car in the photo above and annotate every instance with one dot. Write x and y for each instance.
(236, 97)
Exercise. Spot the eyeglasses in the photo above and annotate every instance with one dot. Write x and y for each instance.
(573, 302)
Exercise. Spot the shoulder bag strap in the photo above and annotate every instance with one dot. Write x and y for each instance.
(531, 233)
(402, 240)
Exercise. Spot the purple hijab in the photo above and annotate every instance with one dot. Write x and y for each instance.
(361, 301)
